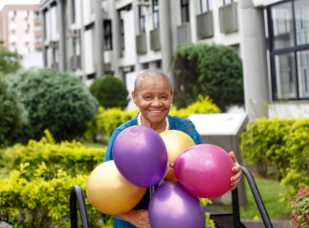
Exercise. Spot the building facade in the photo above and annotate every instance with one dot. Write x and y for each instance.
(21, 32)
(127, 36)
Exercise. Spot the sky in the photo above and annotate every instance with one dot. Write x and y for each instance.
(13, 2)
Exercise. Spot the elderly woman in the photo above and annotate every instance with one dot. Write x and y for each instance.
(153, 95)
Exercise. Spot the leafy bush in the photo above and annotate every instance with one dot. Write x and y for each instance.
(108, 119)
(282, 143)
(41, 176)
(11, 112)
(9, 61)
(263, 144)
(300, 209)
(203, 69)
(203, 105)
(40, 202)
(110, 91)
(72, 157)
(55, 101)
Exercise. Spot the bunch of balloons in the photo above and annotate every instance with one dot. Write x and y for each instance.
(182, 171)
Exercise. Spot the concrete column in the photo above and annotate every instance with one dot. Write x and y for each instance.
(62, 38)
(42, 12)
(166, 37)
(254, 57)
(99, 38)
(116, 36)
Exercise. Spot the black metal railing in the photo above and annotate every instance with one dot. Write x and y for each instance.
(77, 195)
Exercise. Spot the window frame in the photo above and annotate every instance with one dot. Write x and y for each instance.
(185, 8)
(273, 53)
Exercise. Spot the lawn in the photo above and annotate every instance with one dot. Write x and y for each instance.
(270, 191)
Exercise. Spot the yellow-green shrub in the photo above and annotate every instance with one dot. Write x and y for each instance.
(203, 105)
(283, 143)
(42, 203)
(72, 157)
(108, 119)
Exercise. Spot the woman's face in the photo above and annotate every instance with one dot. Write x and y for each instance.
(153, 98)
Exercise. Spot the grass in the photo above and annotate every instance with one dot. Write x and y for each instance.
(270, 191)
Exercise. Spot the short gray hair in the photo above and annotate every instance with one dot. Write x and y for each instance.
(151, 73)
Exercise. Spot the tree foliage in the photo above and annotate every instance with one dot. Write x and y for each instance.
(9, 61)
(55, 101)
(111, 92)
(213, 70)
(12, 114)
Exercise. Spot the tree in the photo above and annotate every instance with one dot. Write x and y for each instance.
(9, 61)
(12, 114)
(55, 101)
(110, 92)
(213, 70)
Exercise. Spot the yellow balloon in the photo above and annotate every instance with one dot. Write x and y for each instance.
(109, 192)
(176, 142)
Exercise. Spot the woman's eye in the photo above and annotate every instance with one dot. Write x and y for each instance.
(148, 97)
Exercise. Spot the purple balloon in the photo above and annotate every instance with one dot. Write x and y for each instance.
(171, 206)
(140, 155)
(204, 170)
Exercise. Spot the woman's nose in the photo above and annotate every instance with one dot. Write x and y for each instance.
(156, 103)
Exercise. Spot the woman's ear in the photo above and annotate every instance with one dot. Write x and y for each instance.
(133, 97)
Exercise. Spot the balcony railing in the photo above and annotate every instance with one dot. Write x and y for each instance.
(228, 18)
(205, 25)
(141, 44)
(183, 34)
(155, 44)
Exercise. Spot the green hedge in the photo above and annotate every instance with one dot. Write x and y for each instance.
(108, 119)
(279, 143)
(37, 179)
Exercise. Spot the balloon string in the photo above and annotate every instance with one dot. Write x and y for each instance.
(169, 166)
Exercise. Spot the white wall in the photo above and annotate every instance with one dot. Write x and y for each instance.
(288, 110)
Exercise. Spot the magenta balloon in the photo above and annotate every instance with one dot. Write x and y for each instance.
(171, 206)
(140, 155)
(204, 170)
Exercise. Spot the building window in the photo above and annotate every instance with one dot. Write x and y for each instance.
(36, 14)
(288, 27)
(226, 2)
(108, 37)
(206, 5)
(185, 15)
(155, 14)
(142, 18)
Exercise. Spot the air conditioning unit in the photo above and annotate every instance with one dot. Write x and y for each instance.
(143, 2)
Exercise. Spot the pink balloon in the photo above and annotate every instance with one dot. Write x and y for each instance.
(171, 206)
(204, 170)
(140, 155)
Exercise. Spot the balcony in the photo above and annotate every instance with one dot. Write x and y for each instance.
(183, 34)
(205, 25)
(141, 44)
(75, 62)
(155, 44)
(228, 18)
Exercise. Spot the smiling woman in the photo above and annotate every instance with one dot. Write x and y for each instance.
(153, 95)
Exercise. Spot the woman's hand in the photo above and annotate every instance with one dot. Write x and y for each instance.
(138, 218)
(237, 170)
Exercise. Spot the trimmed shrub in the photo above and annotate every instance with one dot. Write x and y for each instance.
(71, 157)
(38, 178)
(55, 101)
(282, 143)
(110, 91)
(108, 119)
(213, 70)
(12, 114)
(9, 61)
(264, 145)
